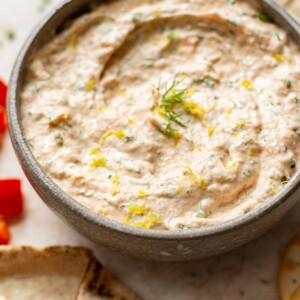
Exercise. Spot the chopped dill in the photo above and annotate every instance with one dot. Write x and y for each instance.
(169, 99)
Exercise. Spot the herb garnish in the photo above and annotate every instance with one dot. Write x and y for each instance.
(169, 99)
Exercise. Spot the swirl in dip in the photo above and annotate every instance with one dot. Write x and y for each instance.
(167, 114)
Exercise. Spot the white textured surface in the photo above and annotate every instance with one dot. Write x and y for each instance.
(247, 273)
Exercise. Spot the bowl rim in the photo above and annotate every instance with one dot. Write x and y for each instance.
(47, 188)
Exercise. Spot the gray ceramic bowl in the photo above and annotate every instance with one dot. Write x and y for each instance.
(176, 245)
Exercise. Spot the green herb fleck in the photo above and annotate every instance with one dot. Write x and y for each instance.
(297, 100)
(232, 22)
(278, 36)
(293, 164)
(288, 83)
(247, 173)
(11, 35)
(171, 36)
(264, 18)
(209, 83)
(284, 180)
(129, 138)
(201, 215)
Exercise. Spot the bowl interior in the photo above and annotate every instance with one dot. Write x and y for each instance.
(54, 196)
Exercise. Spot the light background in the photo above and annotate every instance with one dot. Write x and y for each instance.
(247, 273)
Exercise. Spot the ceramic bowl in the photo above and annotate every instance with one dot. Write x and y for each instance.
(177, 245)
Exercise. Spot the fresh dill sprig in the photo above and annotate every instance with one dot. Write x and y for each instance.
(169, 99)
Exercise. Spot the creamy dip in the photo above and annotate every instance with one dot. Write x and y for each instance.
(167, 114)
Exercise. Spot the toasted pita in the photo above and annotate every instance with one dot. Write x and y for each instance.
(58, 273)
(99, 284)
(289, 273)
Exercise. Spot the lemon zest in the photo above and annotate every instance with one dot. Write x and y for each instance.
(124, 92)
(157, 13)
(202, 184)
(181, 50)
(192, 174)
(59, 119)
(228, 115)
(242, 123)
(251, 154)
(213, 106)
(115, 184)
(248, 85)
(73, 41)
(180, 185)
(142, 194)
(161, 112)
(95, 150)
(101, 109)
(130, 121)
(150, 218)
(90, 85)
(211, 130)
(119, 134)
(137, 209)
(280, 57)
(195, 109)
(199, 149)
(149, 222)
(103, 211)
(230, 166)
(98, 162)
(177, 138)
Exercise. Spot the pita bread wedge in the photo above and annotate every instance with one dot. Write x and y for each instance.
(289, 273)
(58, 273)
(99, 284)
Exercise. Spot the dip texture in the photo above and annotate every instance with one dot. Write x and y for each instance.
(167, 114)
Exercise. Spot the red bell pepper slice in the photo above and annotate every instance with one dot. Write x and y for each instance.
(11, 198)
(3, 121)
(3, 93)
(4, 233)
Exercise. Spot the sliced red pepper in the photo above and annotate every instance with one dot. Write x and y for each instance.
(11, 198)
(3, 93)
(4, 233)
(3, 121)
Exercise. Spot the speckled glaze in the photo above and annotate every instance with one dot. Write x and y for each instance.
(177, 245)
